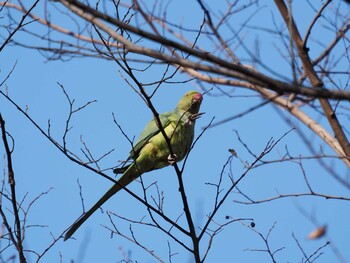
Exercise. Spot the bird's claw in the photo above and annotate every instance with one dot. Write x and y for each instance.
(191, 119)
(172, 159)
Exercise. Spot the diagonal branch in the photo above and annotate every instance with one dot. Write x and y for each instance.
(285, 104)
(313, 77)
(214, 64)
(20, 24)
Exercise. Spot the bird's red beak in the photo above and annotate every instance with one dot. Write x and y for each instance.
(197, 98)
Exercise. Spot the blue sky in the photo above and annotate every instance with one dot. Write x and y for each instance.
(39, 166)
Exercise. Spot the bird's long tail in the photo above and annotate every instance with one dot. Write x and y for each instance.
(124, 181)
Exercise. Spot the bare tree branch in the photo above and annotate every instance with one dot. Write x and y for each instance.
(314, 79)
(16, 235)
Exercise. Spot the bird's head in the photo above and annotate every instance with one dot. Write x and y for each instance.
(190, 102)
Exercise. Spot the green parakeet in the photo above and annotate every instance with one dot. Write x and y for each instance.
(151, 151)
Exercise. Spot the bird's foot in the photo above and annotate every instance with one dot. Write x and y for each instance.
(191, 119)
(172, 159)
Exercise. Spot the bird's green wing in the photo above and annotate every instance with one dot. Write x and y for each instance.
(149, 131)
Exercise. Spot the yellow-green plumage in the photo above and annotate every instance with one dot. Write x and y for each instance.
(151, 151)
